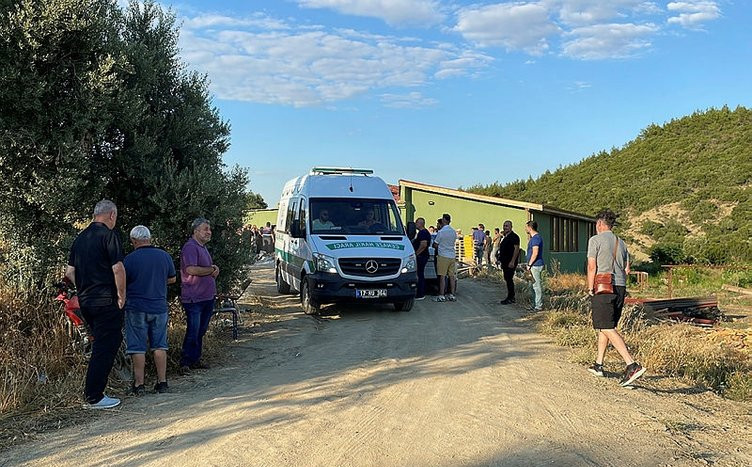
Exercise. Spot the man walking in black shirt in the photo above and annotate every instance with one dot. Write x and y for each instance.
(96, 267)
(508, 254)
(420, 244)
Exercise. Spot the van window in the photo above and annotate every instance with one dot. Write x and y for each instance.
(292, 211)
(303, 217)
(355, 217)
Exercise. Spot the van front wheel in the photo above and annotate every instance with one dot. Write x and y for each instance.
(310, 305)
(282, 286)
(404, 306)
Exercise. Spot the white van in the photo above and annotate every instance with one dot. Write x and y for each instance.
(339, 238)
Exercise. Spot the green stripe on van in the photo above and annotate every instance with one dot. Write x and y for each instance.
(385, 245)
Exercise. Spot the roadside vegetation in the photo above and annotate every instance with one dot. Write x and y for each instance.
(682, 189)
(718, 358)
(97, 104)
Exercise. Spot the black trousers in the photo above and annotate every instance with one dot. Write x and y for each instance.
(106, 324)
(421, 270)
(509, 279)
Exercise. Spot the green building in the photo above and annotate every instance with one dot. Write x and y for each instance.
(565, 234)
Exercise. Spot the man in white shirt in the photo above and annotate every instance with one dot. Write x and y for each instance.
(323, 222)
(446, 265)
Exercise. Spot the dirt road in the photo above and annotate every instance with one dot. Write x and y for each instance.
(446, 384)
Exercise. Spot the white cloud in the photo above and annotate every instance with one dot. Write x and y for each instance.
(411, 100)
(395, 12)
(692, 13)
(583, 12)
(513, 26)
(603, 41)
(258, 20)
(297, 66)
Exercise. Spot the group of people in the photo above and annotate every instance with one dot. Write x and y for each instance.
(607, 254)
(114, 289)
(261, 238)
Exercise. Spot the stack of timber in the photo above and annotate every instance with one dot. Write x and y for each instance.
(699, 311)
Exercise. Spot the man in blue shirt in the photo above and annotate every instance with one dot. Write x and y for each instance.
(479, 239)
(148, 271)
(535, 262)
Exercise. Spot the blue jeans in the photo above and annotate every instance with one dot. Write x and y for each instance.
(144, 331)
(537, 286)
(197, 316)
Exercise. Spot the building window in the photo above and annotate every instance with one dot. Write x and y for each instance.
(564, 234)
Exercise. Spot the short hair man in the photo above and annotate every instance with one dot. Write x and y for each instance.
(535, 262)
(95, 265)
(446, 264)
(509, 253)
(149, 270)
(420, 244)
(198, 289)
(323, 222)
(608, 254)
(479, 240)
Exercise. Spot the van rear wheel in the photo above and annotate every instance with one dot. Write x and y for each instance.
(404, 306)
(282, 286)
(310, 305)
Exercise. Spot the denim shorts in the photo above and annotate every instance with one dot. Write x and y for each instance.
(142, 327)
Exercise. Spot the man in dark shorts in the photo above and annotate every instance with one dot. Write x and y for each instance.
(607, 307)
(508, 254)
(96, 267)
(420, 244)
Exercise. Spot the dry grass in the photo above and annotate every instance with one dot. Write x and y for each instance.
(719, 358)
(42, 373)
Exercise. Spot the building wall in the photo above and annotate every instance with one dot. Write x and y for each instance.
(465, 213)
(568, 261)
(260, 217)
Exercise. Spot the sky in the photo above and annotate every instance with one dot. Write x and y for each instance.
(456, 93)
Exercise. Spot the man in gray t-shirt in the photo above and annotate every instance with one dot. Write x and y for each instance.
(606, 308)
(601, 247)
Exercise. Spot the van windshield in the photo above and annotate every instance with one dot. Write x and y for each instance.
(343, 216)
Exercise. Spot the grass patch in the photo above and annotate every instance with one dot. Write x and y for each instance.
(43, 374)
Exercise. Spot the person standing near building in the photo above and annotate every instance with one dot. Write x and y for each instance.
(535, 262)
(479, 239)
(509, 253)
(420, 244)
(495, 248)
(607, 254)
(149, 270)
(95, 265)
(446, 264)
(487, 247)
(198, 289)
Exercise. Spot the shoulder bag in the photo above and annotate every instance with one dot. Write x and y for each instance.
(604, 283)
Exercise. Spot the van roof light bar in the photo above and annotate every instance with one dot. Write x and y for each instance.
(340, 170)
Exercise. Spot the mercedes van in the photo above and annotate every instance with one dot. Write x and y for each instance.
(339, 238)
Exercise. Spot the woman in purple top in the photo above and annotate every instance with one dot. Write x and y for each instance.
(198, 287)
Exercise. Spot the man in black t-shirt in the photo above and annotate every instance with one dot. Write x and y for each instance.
(508, 255)
(96, 267)
(420, 243)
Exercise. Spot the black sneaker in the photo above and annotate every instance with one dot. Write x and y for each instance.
(161, 388)
(185, 370)
(596, 369)
(139, 390)
(631, 374)
(507, 301)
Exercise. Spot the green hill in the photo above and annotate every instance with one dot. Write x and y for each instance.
(683, 189)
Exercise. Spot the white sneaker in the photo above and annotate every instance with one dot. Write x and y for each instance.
(451, 298)
(420, 298)
(105, 403)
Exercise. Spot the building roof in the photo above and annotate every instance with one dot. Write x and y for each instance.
(544, 208)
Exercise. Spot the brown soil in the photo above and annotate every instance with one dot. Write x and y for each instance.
(463, 383)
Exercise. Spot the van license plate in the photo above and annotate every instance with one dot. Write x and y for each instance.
(370, 293)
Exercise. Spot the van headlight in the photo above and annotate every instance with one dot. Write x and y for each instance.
(325, 263)
(409, 264)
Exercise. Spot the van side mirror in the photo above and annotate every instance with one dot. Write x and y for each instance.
(411, 230)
